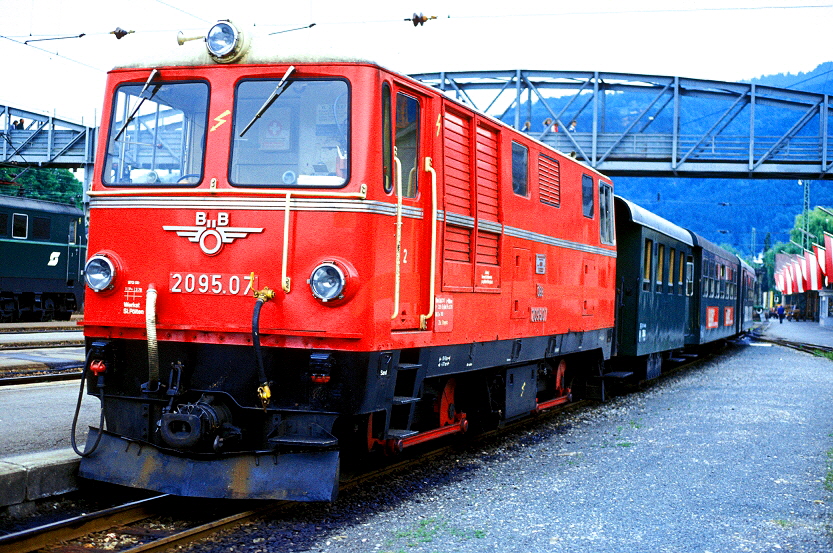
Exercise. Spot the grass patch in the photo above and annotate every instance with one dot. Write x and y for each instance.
(826, 354)
(430, 529)
(828, 476)
(783, 523)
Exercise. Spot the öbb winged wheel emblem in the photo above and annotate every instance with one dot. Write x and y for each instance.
(211, 234)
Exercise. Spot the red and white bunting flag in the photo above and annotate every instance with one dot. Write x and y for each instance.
(779, 280)
(789, 279)
(813, 271)
(798, 278)
(819, 251)
(828, 255)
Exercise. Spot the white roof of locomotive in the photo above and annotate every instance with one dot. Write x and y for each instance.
(261, 50)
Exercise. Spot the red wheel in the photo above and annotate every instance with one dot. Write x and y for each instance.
(447, 411)
(561, 387)
(371, 441)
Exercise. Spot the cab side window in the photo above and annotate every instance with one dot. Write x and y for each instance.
(520, 169)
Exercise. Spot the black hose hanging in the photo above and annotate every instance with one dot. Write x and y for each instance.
(78, 410)
(261, 371)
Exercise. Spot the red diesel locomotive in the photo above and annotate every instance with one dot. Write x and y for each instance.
(294, 259)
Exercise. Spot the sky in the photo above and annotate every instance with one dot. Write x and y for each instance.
(727, 40)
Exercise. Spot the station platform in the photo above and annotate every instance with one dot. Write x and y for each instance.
(798, 331)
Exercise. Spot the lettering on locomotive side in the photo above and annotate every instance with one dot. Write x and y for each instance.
(53, 259)
(443, 314)
(538, 314)
(133, 294)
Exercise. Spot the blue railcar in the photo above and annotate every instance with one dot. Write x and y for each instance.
(716, 293)
(653, 294)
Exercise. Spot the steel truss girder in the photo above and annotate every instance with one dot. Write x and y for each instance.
(702, 134)
(46, 141)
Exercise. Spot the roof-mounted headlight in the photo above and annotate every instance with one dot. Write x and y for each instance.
(224, 42)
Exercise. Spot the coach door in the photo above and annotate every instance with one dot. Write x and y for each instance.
(410, 179)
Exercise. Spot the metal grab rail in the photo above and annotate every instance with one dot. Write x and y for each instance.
(423, 319)
(397, 281)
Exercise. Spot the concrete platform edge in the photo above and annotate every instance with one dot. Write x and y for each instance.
(33, 476)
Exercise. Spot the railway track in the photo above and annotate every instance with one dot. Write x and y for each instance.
(815, 349)
(34, 356)
(140, 526)
(137, 524)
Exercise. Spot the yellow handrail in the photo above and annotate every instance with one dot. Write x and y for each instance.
(397, 281)
(284, 262)
(423, 319)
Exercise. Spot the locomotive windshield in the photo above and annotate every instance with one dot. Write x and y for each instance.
(157, 134)
(301, 138)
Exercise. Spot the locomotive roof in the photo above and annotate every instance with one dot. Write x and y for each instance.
(262, 51)
(30, 204)
(642, 216)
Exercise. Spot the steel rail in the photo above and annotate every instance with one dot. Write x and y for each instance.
(78, 526)
(815, 349)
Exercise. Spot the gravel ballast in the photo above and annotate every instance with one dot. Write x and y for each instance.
(732, 455)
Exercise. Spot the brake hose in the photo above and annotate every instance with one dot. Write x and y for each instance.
(263, 391)
(78, 410)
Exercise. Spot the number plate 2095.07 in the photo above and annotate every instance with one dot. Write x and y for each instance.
(217, 284)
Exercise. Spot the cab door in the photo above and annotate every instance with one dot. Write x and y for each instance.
(73, 253)
(411, 182)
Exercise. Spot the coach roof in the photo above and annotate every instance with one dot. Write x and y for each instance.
(643, 217)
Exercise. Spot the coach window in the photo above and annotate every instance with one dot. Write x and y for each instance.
(647, 265)
(660, 266)
(672, 262)
(689, 275)
(606, 213)
(680, 273)
(4, 224)
(20, 225)
(520, 169)
(587, 195)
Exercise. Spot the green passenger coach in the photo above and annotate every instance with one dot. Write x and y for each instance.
(42, 248)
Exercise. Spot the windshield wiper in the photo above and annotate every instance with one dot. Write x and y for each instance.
(142, 101)
(282, 86)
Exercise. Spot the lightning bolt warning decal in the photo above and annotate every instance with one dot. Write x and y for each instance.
(220, 120)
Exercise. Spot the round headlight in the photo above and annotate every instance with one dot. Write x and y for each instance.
(222, 39)
(99, 273)
(327, 282)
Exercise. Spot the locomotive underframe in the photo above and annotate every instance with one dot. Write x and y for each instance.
(204, 410)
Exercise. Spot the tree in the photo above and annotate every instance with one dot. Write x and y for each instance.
(57, 185)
